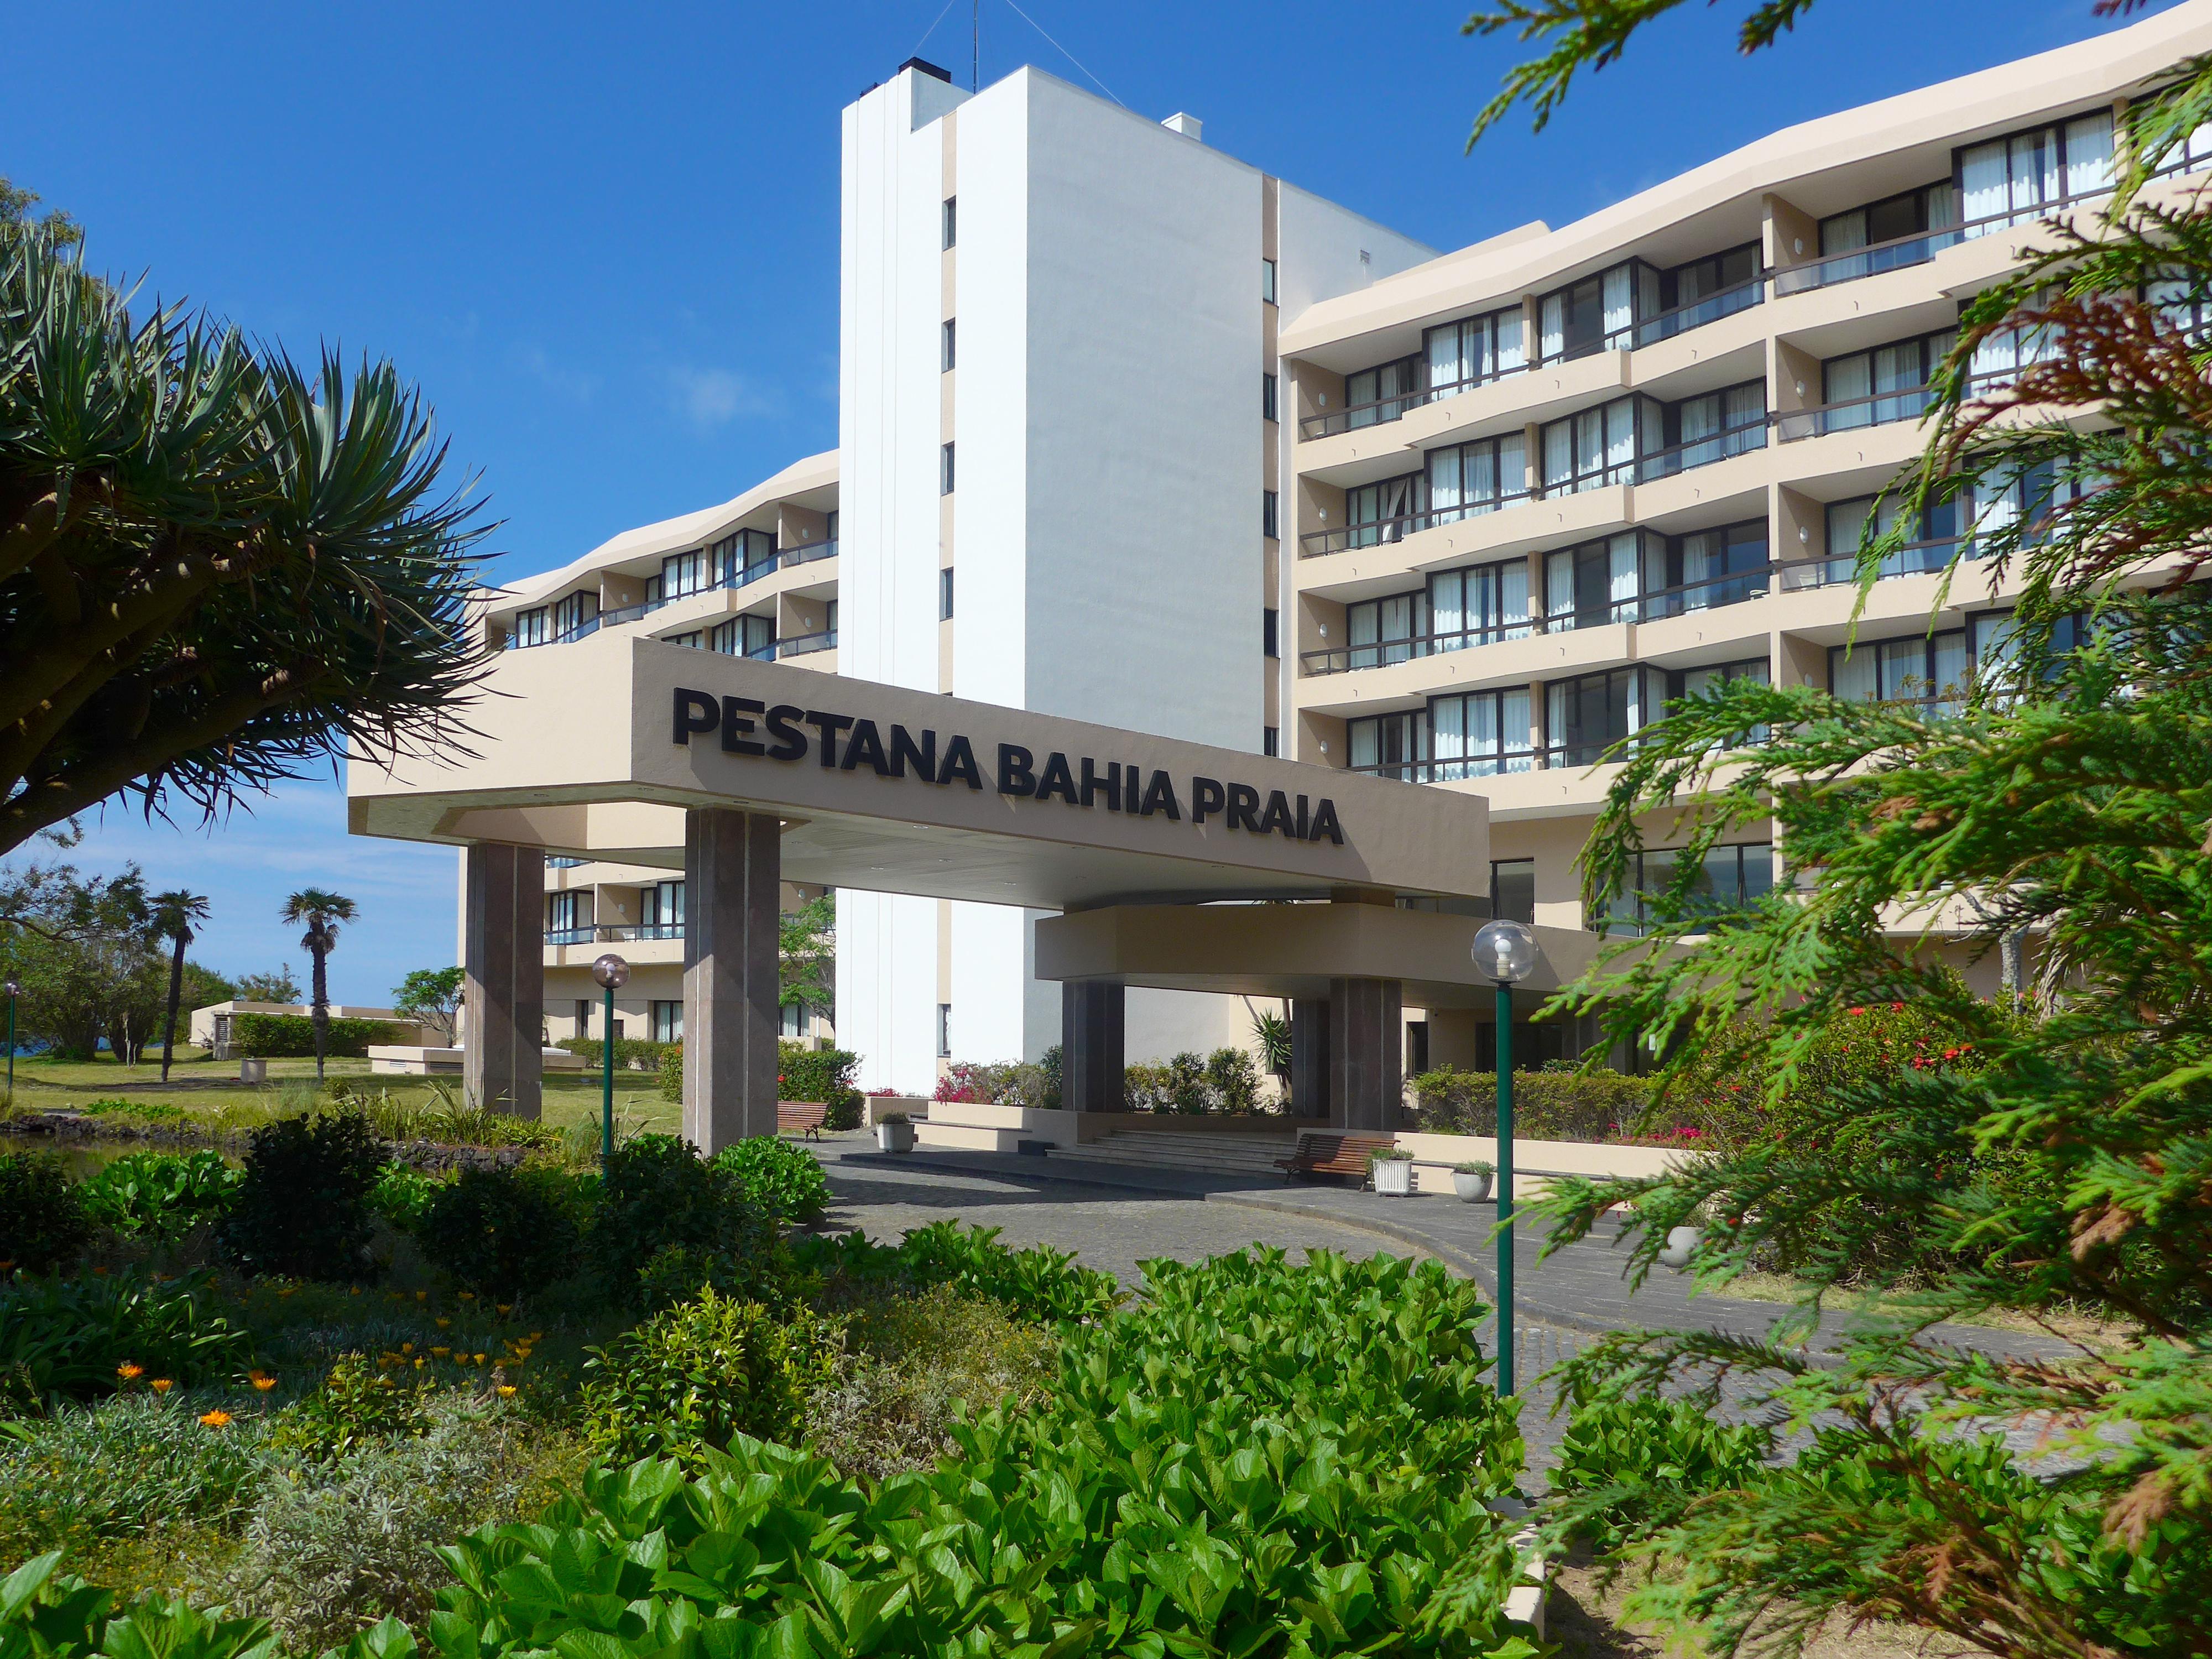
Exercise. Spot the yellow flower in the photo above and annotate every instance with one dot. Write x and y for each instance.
(264, 1383)
(420, 1362)
(214, 1419)
(421, 1295)
(160, 1385)
(354, 1290)
(480, 1359)
(407, 1347)
(443, 1321)
(506, 1391)
(286, 1289)
(441, 1352)
(507, 1307)
(128, 1372)
(468, 1296)
(537, 1336)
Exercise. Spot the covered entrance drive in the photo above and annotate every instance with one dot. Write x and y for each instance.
(1174, 864)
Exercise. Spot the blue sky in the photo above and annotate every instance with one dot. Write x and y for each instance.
(604, 240)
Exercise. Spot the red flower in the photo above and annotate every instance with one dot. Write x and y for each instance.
(1856, 1012)
(1896, 1007)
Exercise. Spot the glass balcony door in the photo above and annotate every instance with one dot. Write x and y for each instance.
(1479, 605)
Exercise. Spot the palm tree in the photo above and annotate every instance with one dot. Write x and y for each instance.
(322, 912)
(174, 916)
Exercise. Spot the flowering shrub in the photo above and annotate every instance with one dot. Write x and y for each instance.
(1034, 1084)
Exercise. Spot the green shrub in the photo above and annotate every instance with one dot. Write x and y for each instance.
(1037, 1284)
(165, 1195)
(121, 1468)
(671, 1073)
(43, 1225)
(302, 1211)
(660, 1196)
(402, 1195)
(631, 1054)
(1197, 1085)
(1547, 1105)
(505, 1232)
(1234, 1081)
(292, 1036)
(43, 1611)
(145, 1111)
(819, 1075)
(697, 1374)
(67, 1339)
(358, 1403)
(780, 1178)
(1621, 1449)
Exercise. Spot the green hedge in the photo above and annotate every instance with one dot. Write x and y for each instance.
(803, 1073)
(631, 1054)
(292, 1036)
(1546, 1105)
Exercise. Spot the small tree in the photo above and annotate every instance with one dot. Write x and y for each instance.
(175, 913)
(321, 912)
(431, 996)
(279, 986)
(806, 953)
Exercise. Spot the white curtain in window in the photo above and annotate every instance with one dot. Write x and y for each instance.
(1701, 417)
(1514, 731)
(1845, 234)
(1447, 608)
(2089, 154)
(1511, 351)
(1559, 584)
(1621, 574)
(1620, 303)
(1746, 405)
(1853, 677)
(1445, 368)
(1847, 380)
(2034, 162)
(1478, 468)
(1552, 321)
(1361, 736)
(1701, 562)
(1590, 447)
(1512, 580)
(1512, 466)
(1559, 454)
(1846, 528)
(1444, 496)
(1448, 733)
(1983, 176)
(1943, 206)
(1619, 440)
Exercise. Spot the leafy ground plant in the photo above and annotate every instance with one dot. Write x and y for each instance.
(43, 1225)
(505, 1232)
(1037, 1283)
(303, 1212)
(162, 1195)
(82, 1339)
(781, 1178)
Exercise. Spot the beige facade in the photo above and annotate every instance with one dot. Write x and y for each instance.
(1544, 483)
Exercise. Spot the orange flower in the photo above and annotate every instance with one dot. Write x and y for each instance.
(129, 1372)
(214, 1419)
(354, 1290)
(160, 1385)
(8, 1266)
(421, 1295)
(262, 1380)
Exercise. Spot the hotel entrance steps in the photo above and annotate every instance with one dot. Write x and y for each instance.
(1161, 1149)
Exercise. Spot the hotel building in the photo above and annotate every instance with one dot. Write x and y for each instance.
(1133, 432)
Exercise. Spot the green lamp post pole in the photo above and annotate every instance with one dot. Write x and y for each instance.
(612, 972)
(14, 990)
(1507, 951)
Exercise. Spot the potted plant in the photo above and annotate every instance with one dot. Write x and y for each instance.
(1471, 1181)
(1392, 1171)
(894, 1132)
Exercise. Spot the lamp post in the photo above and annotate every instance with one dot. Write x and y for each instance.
(612, 973)
(14, 990)
(1506, 950)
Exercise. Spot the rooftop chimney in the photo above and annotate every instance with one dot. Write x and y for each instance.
(924, 66)
(1189, 125)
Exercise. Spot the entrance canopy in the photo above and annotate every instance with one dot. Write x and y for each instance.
(598, 748)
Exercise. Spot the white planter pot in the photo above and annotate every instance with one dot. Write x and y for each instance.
(1681, 1241)
(1393, 1176)
(895, 1137)
(253, 1071)
(1471, 1188)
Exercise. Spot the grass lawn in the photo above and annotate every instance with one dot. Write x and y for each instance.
(206, 1088)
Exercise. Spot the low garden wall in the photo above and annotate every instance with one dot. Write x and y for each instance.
(1434, 1154)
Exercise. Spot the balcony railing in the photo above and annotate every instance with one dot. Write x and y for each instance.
(1853, 414)
(1702, 451)
(1352, 417)
(1696, 314)
(614, 932)
(742, 576)
(1380, 531)
(1651, 604)
(801, 645)
(1918, 249)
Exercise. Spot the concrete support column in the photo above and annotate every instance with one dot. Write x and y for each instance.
(732, 863)
(1092, 1046)
(1309, 1058)
(502, 1058)
(1366, 1052)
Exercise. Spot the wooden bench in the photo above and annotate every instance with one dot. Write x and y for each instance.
(1320, 1153)
(794, 1117)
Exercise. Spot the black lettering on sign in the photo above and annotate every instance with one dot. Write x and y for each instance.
(1110, 785)
(783, 726)
(867, 749)
(736, 726)
(1207, 795)
(1015, 777)
(695, 712)
(1305, 820)
(829, 725)
(1243, 808)
(1057, 780)
(1278, 821)
(1325, 823)
(1160, 796)
(923, 755)
(960, 763)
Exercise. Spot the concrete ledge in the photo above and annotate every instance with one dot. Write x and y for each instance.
(1434, 1156)
(405, 1060)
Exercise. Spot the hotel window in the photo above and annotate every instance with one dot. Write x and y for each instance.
(1929, 548)
(1513, 890)
(1587, 715)
(1699, 431)
(945, 1030)
(1478, 604)
(1383, 393)
(1271, 514)
(945, 594)
(1702, 291)
(2184, 301)
(951, 225)
(1475, 350)
(1271, 740)
(831, 531)
(745, 636)
(1693, 681)
(1889, 383)
(695, 639)
(1389, 745)
(568, 917)
(576, 616)
(680, 573)
(1728, 882)
(583, 1017)
(744, 556)
(1597, 313)
(1880, 225)
(668, 1022)
(1597, 583)
(1481, 734)
(660, 910)
(829, 621)
(2036, 495)
(1933, 669)
(2000, 355)
(1381, 631)
(1467, 480)
(1996, 647)
(1706, 569)
(1598, 446)
(1268, 396)
(529, 628)
(2017, 179)
(944, 470)
(1378, 513)
(1269, 631)
(952, 328)
(792, 1021)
